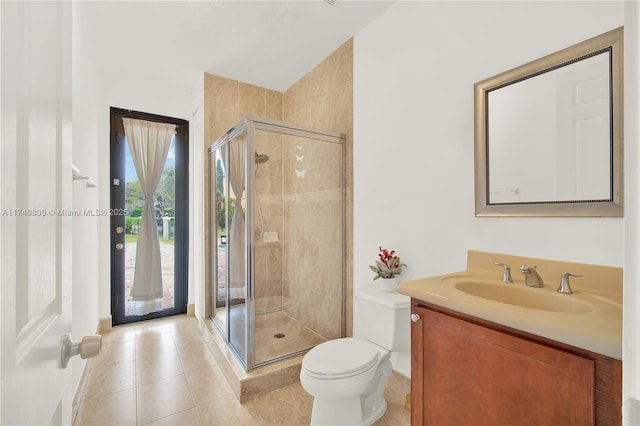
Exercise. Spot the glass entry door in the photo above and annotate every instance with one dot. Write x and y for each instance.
(169, 220)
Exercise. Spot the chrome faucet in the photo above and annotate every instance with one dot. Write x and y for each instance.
(531, 276)
(506, 273)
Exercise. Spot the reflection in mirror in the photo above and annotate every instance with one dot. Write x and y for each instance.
(560, 131)
(549, 134)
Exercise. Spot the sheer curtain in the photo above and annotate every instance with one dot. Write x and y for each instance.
(149, 143)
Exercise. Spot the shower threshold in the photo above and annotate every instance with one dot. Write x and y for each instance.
(278, 361)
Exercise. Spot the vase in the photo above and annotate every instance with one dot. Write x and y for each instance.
(389, 285)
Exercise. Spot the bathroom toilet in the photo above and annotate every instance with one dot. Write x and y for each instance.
(346, 376)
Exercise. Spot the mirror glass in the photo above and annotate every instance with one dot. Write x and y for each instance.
(548, 134)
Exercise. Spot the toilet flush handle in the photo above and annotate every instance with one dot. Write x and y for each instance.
(415, 317)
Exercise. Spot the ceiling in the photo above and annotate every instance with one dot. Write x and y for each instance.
(267, 43)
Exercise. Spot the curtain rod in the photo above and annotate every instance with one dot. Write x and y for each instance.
(154, 120)
(149, 116)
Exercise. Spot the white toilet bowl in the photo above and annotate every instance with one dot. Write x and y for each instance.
(346, 377)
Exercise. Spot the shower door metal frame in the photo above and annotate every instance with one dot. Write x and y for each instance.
(212, 262)
(247, 360)
(251, 124)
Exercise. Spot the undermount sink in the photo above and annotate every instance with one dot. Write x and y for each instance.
(542, 299)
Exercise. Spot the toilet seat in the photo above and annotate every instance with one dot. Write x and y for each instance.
(340, 358)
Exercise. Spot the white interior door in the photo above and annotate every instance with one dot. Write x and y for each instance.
(36, 184)
(583, 131)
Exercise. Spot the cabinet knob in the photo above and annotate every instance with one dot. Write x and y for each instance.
(415, 317)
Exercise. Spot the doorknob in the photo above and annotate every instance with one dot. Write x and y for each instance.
(415, 317)
(88, 347)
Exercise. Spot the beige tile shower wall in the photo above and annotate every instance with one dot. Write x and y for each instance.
(225, 103)
(268, 221)
(313, 260)
(322, 99)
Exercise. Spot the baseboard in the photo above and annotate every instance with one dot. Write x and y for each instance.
(191, 309)
(79, 393)
(105, 325)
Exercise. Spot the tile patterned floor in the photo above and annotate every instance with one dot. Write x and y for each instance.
(163, 372)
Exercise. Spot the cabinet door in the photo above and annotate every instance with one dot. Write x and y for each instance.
(473, 375)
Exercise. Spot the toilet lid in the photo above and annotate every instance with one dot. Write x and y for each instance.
(340, 357)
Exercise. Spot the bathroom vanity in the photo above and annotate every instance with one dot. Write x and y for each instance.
(488, 352)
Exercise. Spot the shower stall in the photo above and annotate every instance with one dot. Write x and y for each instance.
(275, 239)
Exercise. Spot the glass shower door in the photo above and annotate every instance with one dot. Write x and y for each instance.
(298, 233)
(218, 235)
(276, 289)
(237, 243)
(228, 292)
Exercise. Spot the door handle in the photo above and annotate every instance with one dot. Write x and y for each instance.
(88, 347)
(415, 317)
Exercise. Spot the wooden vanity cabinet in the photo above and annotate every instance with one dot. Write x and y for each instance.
(468, 371)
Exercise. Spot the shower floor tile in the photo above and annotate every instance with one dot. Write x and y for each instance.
(277, 334)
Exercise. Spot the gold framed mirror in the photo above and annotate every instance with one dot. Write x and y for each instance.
(549, 134)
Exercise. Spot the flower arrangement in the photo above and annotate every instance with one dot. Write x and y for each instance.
(388, 265)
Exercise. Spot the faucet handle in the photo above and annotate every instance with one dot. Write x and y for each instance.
(506, 273)
(564, 286)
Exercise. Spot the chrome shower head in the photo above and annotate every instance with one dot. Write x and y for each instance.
(261, 158)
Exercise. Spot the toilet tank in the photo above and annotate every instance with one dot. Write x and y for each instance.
(385, 318)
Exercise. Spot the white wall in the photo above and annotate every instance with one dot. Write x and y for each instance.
(413, 141)
(139, 92)
(136, 88)
(196, 199)
(85, 157)
(414, 70)
(414, 132)
(631, 336)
